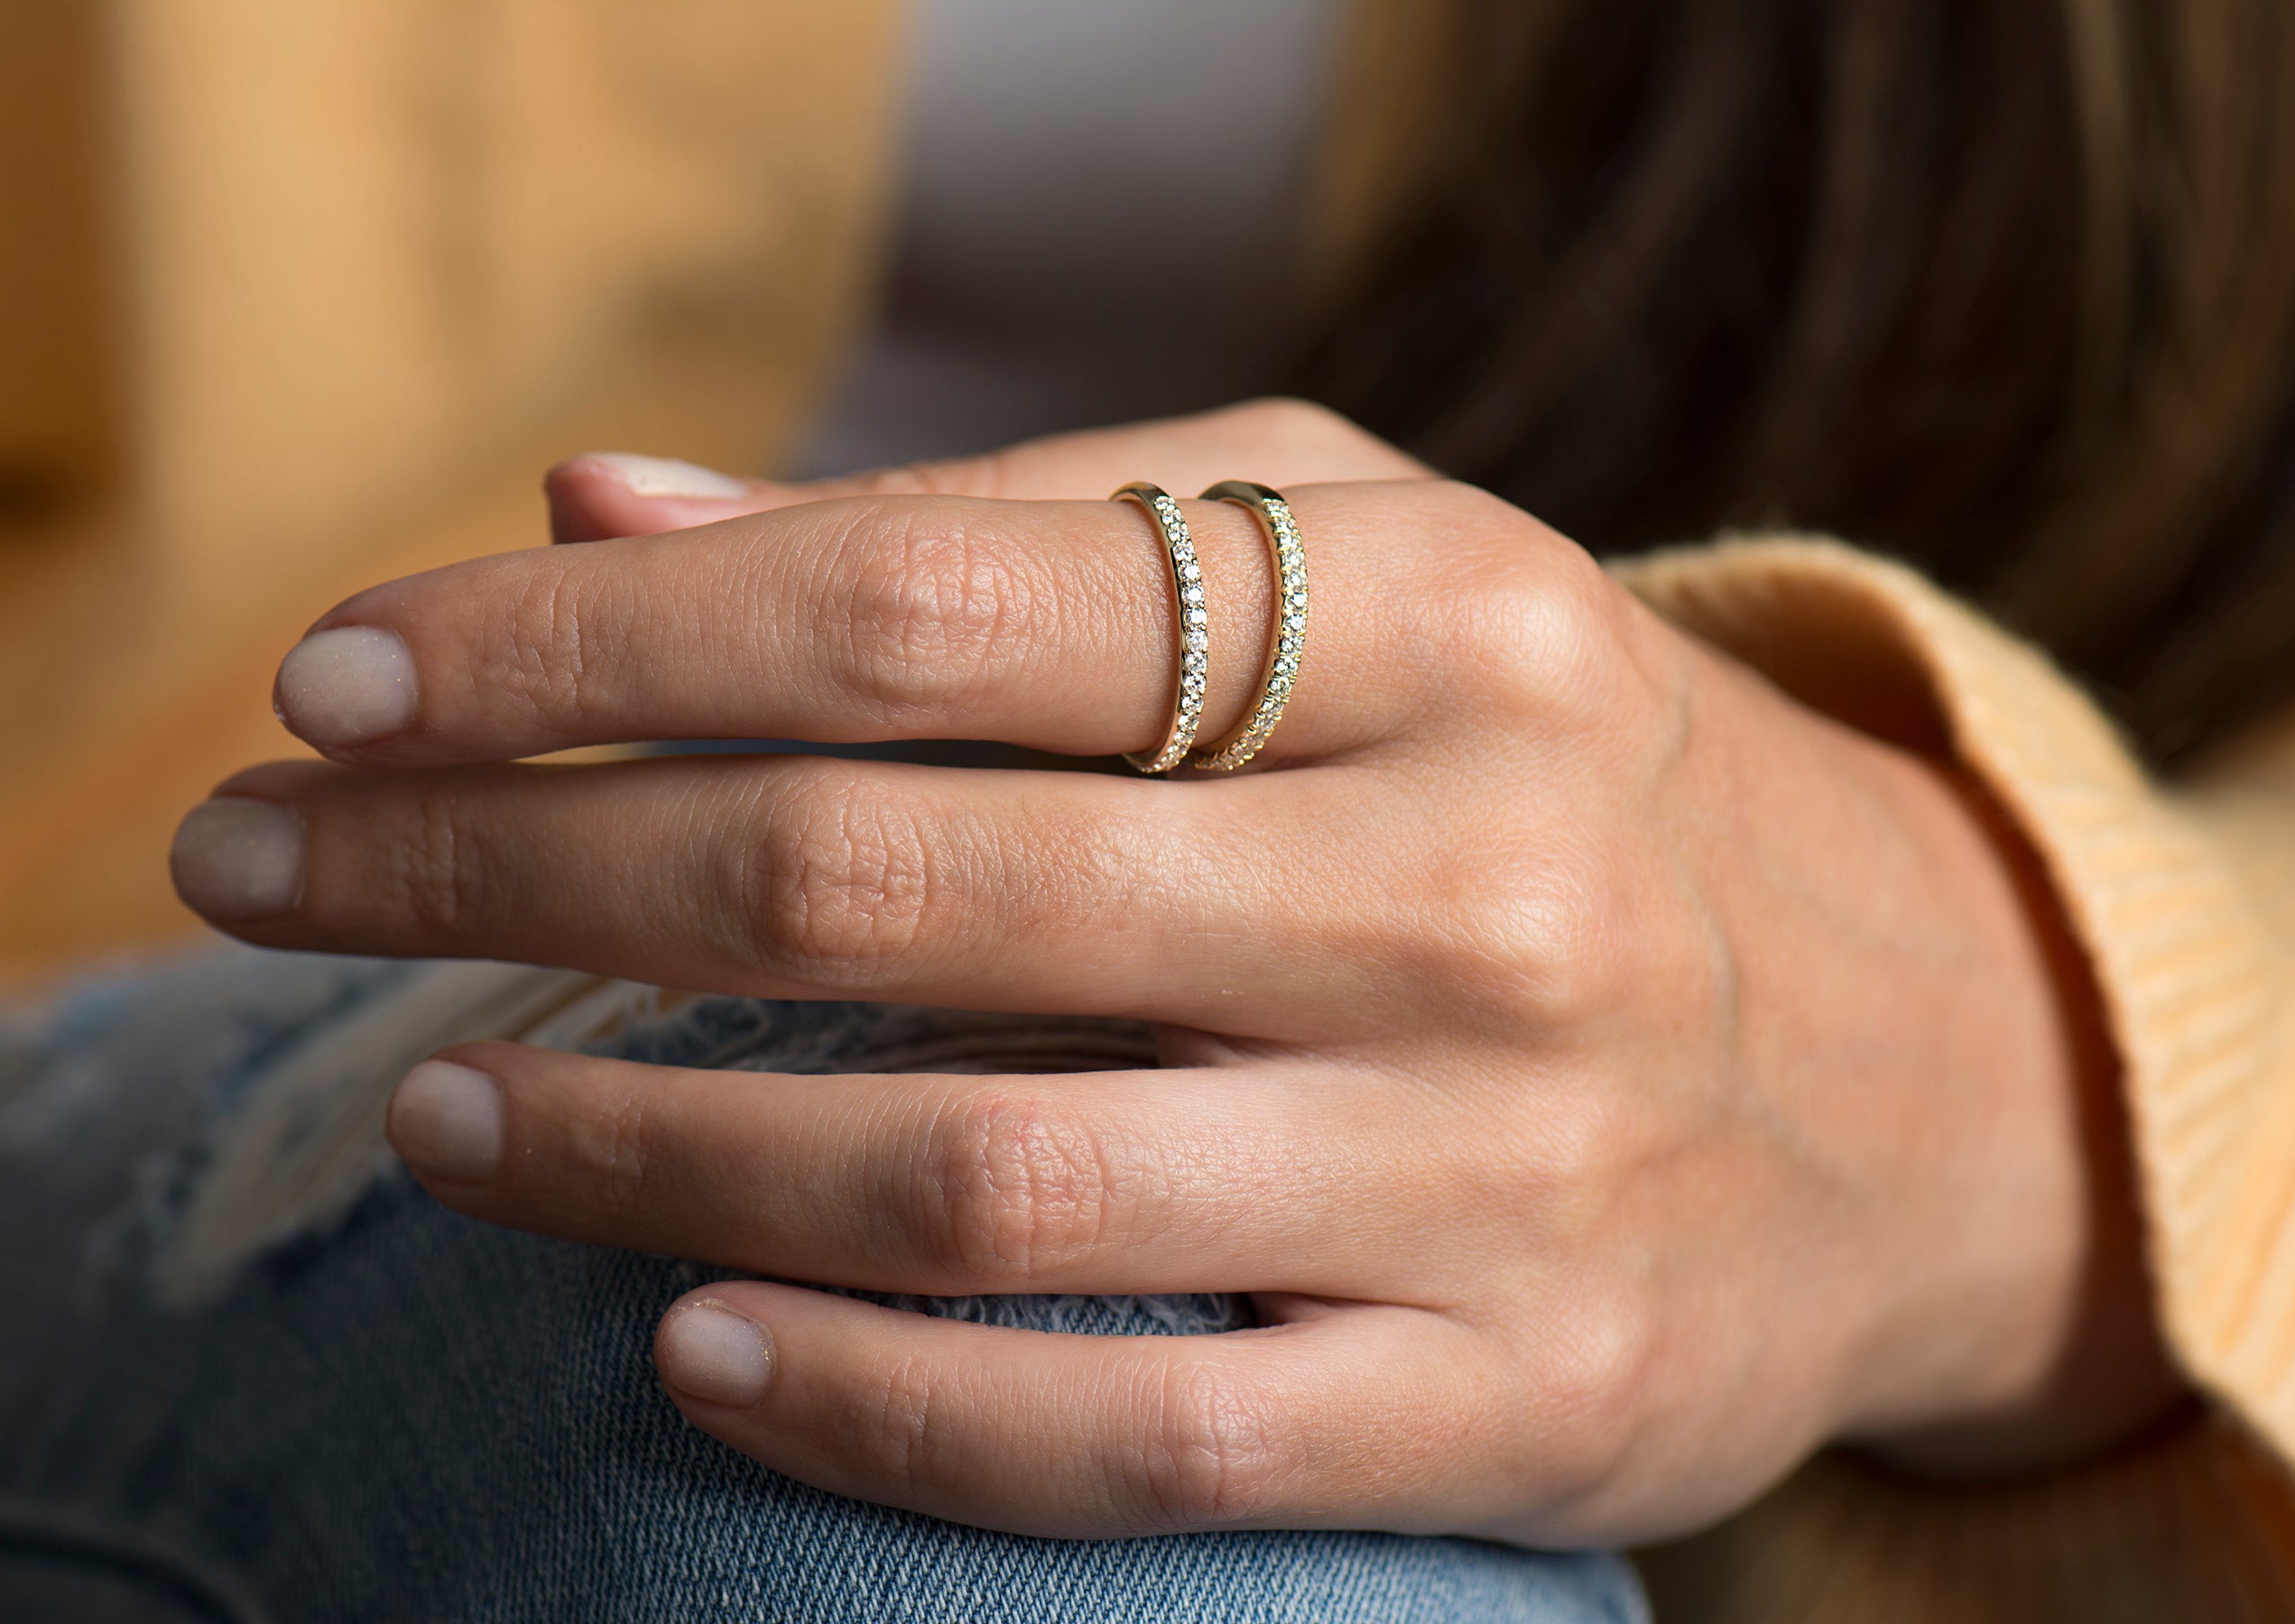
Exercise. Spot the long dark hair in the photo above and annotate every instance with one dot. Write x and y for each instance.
(2004, 287)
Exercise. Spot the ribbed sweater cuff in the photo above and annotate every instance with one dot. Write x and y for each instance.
(2194, 983)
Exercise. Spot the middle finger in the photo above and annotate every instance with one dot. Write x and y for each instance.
(1039, 623)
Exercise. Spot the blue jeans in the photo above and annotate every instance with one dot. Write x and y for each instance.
(228, 1394)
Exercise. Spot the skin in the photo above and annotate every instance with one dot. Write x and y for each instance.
(1612, 1079)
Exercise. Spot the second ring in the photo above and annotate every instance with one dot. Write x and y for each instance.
(1287, 636)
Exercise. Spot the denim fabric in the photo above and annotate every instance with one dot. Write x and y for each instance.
(404, 1415)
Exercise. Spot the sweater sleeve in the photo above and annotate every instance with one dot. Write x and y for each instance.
(2183, 898)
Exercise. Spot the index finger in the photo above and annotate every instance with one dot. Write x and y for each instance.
(1282, 442)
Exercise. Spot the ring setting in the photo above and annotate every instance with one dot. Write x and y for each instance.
(1287, 640)
(1192, 626)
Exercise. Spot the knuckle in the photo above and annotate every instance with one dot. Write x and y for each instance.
(607, 1159)
(837, 885)
(1208, 1456)
(1526, 939)
(932, 614)
(552, 646)
(1010, 1190)
(1567, 1171)
(907, 1434)
(1591, 1388)
(1544, 630)
(438, 875)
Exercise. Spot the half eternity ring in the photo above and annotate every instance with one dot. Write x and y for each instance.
(1190, 627)
(1287, 639)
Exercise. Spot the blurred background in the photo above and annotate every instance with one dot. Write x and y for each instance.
(304, 294)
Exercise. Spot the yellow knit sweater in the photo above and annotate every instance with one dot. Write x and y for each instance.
(2184, 898)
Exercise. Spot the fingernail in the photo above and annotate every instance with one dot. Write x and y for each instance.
(710, 1353)
(446, 1121)
(348, 685)
(667, 476)
(238, 858)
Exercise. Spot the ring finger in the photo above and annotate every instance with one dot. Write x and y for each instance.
(795, 876)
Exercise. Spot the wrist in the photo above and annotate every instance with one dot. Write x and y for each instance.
(2054, 1353)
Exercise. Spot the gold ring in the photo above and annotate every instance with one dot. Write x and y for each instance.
(1190, 627)
(1287, 637)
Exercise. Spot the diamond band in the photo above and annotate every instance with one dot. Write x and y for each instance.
(1287, 639)
(1190, 627)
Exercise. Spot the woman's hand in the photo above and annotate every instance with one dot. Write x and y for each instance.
(1611, 1079)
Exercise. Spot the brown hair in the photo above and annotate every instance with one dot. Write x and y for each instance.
(2006, 287)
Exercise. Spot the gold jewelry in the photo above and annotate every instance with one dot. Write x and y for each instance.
(1287, 637)
(1190, 627)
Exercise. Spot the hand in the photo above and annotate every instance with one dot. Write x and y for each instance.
(1611, 1079)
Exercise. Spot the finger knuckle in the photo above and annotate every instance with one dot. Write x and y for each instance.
(1527, 938)
(438, 877)
(907, 1434)
(1591, 1390)
(1572, 1168)
(837, 887)
(607, 1158)
(1208, 1456)
(1011, 1190)
(1545, 631)
(933, 611)
(552, 646)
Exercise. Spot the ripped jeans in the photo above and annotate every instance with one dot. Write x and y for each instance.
(249, 1372)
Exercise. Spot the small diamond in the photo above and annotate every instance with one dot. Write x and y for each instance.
(1190, 574)
(1198, 617)
(1294, 622)
(1289, 645)
(1192, 595)
(1196, 638)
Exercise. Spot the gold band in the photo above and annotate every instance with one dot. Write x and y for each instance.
(1287, 637)
(1190, 627)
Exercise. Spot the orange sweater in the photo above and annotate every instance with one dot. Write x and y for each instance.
(2184, 898)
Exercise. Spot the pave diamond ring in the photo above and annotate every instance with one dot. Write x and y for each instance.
(1190, 627)
(1287, 639)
